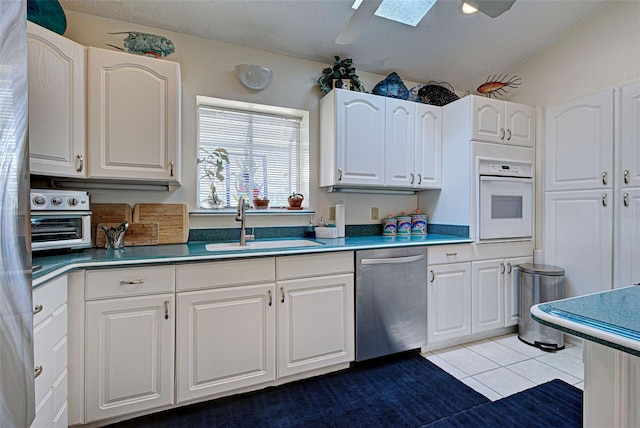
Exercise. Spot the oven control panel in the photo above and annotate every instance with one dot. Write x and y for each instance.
(59, 200)
(506, 169)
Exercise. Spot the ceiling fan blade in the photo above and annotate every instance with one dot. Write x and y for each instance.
(492, 8)
(358, 21)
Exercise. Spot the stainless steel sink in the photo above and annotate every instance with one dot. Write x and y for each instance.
(259, 245)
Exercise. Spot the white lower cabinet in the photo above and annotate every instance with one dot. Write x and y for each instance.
(226, 339)
(129, 340)
(315, 323)
(50, 353)
(495, 293)
(448, 302)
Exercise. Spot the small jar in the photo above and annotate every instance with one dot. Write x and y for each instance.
(404, 224)
(418, 224)
(389, 226)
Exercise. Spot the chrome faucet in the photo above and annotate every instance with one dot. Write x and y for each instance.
(240, 216)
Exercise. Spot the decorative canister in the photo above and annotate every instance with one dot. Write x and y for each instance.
(418, 224)
(389, 226)
(404, 224)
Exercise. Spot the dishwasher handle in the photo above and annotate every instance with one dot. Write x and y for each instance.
(390, 260)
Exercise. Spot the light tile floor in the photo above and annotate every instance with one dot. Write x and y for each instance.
(504, 365)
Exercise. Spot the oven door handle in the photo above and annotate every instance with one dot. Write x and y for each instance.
(507, 178)
(392, 260)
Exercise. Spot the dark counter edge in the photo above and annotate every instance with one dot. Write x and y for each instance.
(59, 264)
(588, 337)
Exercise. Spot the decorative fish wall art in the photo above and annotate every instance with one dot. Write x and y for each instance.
(146, 44)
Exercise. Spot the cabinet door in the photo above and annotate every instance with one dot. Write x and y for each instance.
(488, 120)
(399, 143)
(315, 323)
(578, 151)
(360, 149)
(627, 250)
(512, 289)
(428, 144)
(57, 121)
(129, 351)
(578, 233)
(448, 302)
(134, 116)
(226, 339)
(487, 297)
(520, 124)
(628, 172)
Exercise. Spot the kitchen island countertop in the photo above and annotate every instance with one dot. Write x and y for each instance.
(54, 265)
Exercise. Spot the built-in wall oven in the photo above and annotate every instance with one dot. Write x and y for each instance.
(60, 220)
(505, 199)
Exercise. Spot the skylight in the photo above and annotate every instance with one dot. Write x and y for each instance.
(409, 12)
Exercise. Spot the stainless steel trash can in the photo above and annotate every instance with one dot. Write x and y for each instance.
(539, 284)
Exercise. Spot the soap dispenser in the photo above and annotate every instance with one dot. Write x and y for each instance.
(310, 230)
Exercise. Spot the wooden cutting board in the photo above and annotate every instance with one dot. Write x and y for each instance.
(173, 220)
(108, 213)
(135, 235)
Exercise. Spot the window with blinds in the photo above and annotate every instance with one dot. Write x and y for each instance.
(267, 152)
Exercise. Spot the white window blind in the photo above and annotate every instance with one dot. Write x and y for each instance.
(268, 154)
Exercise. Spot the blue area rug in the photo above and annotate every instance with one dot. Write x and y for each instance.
(553, 404)
(403, 391)
(407, 391)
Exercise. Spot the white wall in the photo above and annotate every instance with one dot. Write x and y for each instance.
(208, 69)
(599, 53)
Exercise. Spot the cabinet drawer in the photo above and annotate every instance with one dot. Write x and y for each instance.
(43, 358)
(131, 281)
(438, 254)
(47, 298)
(315, 265)
(225, 273)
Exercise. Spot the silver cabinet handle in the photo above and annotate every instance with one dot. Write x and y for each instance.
(604, 178)
(38, 371)
(604, 199)
(433, 276)
(412, 178)
(166, 309)
(419, 179)
(37, 309)
(508, 134)
(626, 176)
(80, 163)
(270, 297)
(171, 165)
(625, 199)
(502, 133)
(282, 293)
(509, 268)
(339, 174)
(502, 268)
(136, 282)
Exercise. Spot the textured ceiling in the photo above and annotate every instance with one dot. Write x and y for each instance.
(446, 46)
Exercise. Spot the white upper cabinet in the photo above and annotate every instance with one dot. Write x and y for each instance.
(399, 143)
(579, 144)
(628, 172)
(57, 121)
(133, 117)
(372, 141)
(428, 146)
(504, 122)
(352, 139)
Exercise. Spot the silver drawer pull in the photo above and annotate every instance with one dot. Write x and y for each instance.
(37, 309)
(625, 199)
(433, 276)
(270, 297)
(626, 176)
(604, 178)
(451, 254)
(604, 199)
(136, 282)
(38, 371)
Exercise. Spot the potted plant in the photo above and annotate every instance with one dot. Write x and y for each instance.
(295, 201)
(213, 162)
(260, 203)
(342, 75)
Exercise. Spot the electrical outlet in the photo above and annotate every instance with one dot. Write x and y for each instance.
(374, 213)
(332, 213)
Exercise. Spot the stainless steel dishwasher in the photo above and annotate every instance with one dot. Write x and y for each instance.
(391, 301)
